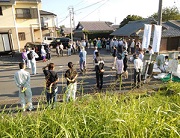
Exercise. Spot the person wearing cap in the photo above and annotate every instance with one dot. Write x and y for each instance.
(138, 66)
(71, 76)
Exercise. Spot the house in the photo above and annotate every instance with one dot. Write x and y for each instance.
(48, 23)
(23, 21)
(20, 23)
(170, 32)
(93, 29)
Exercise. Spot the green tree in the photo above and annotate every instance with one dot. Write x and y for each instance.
(171, 13)
(130, 18)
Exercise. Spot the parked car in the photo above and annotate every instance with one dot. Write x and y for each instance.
(63, 40)
(37, 46)
(48, 39)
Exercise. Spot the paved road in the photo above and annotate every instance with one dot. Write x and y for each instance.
(86, 83)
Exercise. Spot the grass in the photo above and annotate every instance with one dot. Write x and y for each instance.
(103, 115)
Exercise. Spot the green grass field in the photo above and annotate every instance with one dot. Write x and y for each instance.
(102, 115)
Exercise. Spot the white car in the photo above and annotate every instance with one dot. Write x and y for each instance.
(48, 39)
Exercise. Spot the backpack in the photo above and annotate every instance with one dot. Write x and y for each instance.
(30, 55)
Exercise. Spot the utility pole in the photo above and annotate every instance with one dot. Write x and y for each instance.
(160, 13)
(70, 14)
(73, 18)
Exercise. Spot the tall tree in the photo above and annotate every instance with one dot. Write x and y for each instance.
(130, 18)
(171, 13)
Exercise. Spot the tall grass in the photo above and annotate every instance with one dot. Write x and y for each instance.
(102, 115)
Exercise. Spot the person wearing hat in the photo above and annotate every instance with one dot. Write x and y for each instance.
(71, 76)
(138, 66)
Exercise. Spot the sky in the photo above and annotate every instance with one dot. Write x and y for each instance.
(103, 10)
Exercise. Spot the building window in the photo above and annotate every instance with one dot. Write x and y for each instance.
(1, 11)
(21, 36)
(27, 13)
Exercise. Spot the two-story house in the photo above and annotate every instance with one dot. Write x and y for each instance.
(48, 23)
(20, 23)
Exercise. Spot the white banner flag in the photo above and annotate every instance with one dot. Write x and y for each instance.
(146, 36)
(157, 38)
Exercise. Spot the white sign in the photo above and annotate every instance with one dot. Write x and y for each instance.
(157, 38)
(146, 36)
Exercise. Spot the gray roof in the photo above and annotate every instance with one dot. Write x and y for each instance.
(95, 26)
(132, 27)
(46, 13)
(135, 28)
(172, 28)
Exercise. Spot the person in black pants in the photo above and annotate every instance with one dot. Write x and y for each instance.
(51, 78)
(125, 62)
(99, 68)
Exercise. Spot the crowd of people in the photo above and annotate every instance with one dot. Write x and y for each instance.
(119, 48)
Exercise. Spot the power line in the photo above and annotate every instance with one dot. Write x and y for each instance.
(95, 10)
(89, 5)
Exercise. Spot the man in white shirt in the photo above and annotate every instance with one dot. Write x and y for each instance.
(22, 80)
(33, 61)
(132, 46)
(138, 66)
(150, 50)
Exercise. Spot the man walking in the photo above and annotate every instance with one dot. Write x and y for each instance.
(22, 80)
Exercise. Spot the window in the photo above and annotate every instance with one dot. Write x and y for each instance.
(21, 36)
(26, 13)
(1, 11)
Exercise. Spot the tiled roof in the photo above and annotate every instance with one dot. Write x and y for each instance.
(135, 28)
(46, 13)
(132, 27)
(96, 25)
(173, 28)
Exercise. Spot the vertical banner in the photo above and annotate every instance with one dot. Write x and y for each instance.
(157, 38)
(146, 36)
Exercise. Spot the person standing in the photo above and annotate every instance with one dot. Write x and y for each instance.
(132, 46)
(119, 67)
(57, 48)
(71, 76)
(22, 80)
(61, 49)
(82, 61)
(108, 44)
(69, 49)
(24, 56)
(48, 51)
(99, 68)
(28, 60)
(33, 56)
(52, 79)
(150, 50)
(114, 57)
(138, 66)
(43, 53)
(125, 62)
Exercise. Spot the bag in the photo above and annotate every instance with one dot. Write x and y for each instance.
(30, 55)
